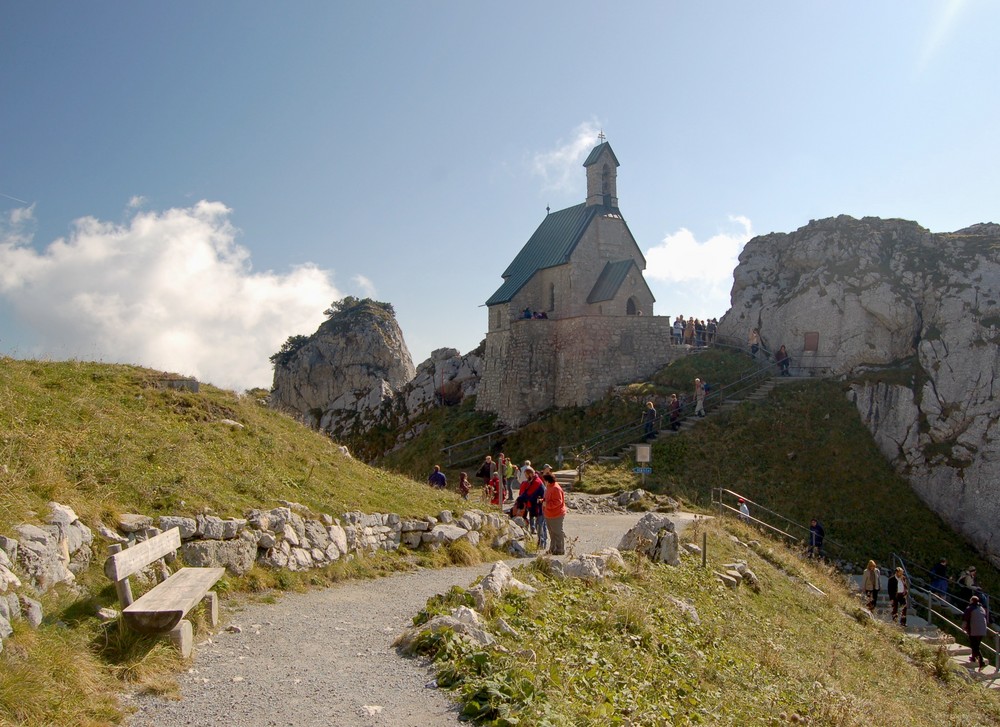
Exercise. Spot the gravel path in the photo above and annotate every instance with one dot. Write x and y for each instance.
(326, 657)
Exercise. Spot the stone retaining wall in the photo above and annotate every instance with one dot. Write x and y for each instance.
(287, 537)
(540, 364)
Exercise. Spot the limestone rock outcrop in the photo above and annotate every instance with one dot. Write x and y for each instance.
(915, 311)
(352, 363)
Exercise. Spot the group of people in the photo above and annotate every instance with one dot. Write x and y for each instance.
(540, 499)
(693, 332)
(970, 597)
(650, 417)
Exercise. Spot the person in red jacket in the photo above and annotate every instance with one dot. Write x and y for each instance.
(530, 496)
(554, 510)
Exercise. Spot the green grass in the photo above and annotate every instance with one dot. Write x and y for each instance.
(618, 652)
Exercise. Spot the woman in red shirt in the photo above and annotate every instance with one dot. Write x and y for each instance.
(554, 510)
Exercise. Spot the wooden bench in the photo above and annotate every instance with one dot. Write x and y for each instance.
(162, 609)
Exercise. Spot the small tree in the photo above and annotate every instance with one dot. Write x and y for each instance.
(288, 350)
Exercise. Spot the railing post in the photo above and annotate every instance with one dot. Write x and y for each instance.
(930, 606)
(996, 649)
(704, 552)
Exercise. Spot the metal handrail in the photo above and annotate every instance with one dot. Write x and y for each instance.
(449, 450)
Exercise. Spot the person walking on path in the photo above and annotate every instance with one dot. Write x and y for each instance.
(816, 535)
(974, 623)
(554, 510)
(437, 478)
(899, 593)
(675, 412)
(966, 585)
(871, 584)
(699, 397)
(939, 578)
(648, 420)
(744, 511)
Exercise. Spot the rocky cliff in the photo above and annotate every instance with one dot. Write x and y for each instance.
(355, 374)
(911, 317)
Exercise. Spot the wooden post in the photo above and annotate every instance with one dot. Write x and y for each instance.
(123, 586)
(704, 549)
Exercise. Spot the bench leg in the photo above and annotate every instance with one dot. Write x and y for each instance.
(182, 637)
(211, 601)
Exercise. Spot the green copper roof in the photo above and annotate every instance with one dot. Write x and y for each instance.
(610, 280)
(551, 245)
(595, 154)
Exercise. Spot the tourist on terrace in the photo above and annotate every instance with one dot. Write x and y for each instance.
(678, 330)
(554, 511)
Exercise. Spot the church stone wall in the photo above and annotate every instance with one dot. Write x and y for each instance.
(540, 364)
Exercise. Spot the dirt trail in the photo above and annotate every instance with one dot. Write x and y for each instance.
(326, 657)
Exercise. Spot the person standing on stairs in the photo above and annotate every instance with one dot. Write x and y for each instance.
(899, 592)
(871, 584)
(754, 341)
(648, 420)
(675, 412)
(974, 623)
(699, 397)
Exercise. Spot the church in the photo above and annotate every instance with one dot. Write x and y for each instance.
(574, 315)
(581, 261)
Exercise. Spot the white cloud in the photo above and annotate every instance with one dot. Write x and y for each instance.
(136, 202)
(695, 278)
(560, 168)
(365, 285)
(170, 290)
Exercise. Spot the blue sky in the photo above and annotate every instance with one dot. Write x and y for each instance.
(184, 185)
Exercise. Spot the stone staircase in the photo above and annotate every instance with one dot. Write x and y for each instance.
(920, 629)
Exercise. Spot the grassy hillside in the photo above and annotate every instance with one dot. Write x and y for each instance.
(803, 452)
(620, 652)
(106, 439)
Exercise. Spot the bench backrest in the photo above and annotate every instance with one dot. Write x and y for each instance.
(121, 565)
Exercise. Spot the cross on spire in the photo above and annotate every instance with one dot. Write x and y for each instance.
(601, 136)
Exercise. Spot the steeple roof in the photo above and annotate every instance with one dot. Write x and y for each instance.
(596, 152)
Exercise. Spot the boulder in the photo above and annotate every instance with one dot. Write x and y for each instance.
(654, 536)
(236, 556)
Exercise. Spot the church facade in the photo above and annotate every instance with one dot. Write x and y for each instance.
(574, 315)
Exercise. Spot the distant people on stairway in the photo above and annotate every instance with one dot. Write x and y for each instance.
(648, 420)
(939, 578)
(437, 478)
(816, 535)
(899, 593)
(699, 397)
(781, 358)
(754, 342)
(486, 470)
(674, 407)
(554, 511)
(464, 486)
(744, 511)
(711, 329)
(871, 584)
(974, 622)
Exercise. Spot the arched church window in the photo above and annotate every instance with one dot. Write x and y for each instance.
(630, 308)
(606, 180)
